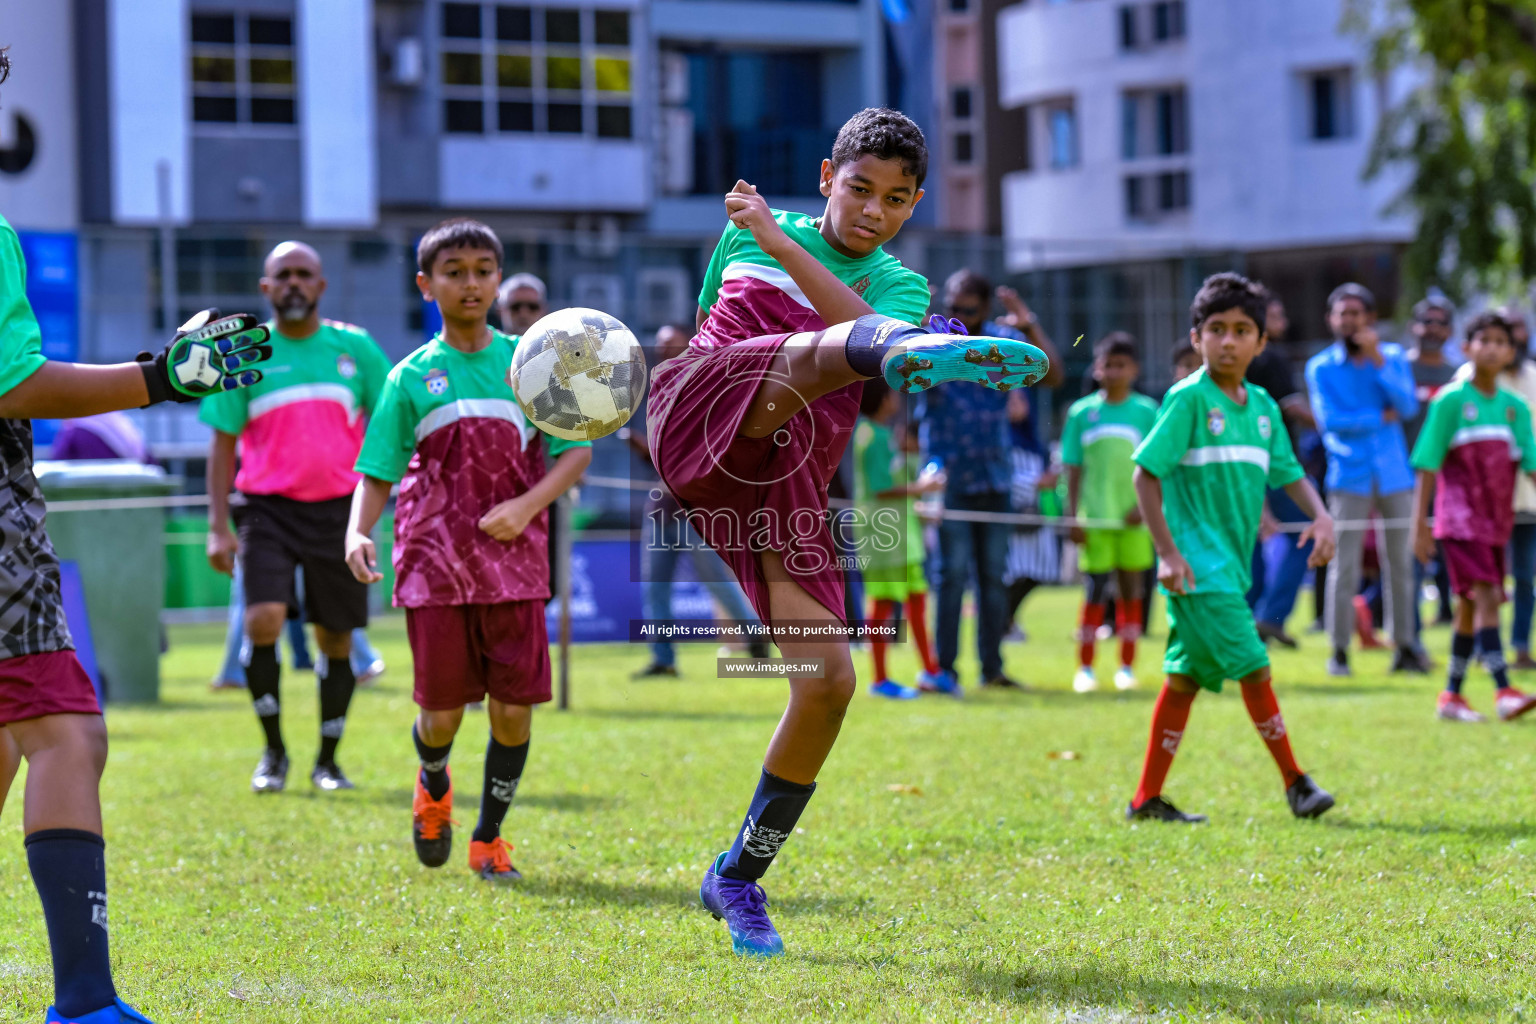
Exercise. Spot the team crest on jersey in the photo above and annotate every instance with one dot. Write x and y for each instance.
(861, 285)
(1093, 416)
(1469, 412)
(346, 366)
(1264, 427)
(436, 381)
(1215, 422)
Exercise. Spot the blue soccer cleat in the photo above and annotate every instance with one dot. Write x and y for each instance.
(891, 689)
(742, 906)
(118, 1013)
(940, 682)
(922, 360)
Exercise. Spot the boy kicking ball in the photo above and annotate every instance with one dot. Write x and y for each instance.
(1101, 434)
(1476, 439)
(1200, 480)
(471, 538)
(748, 426)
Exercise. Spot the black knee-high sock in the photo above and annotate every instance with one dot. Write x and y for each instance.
(1462, 646)
(776, 806)
(70, 871)
(263, 676)
(336, 685)
(870, 338)
(1492, 654)
(434, 765)
(503, 771)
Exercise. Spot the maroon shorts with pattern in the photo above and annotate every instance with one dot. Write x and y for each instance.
(1469, 562)
(464, 652)
(745, 495)
(35, 685)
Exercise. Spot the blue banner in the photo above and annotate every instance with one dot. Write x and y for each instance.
(601, 614)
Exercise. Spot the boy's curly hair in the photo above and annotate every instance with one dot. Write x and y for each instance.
(1222, 292)
(884, 133)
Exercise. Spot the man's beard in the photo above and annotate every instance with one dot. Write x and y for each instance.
(295, 309)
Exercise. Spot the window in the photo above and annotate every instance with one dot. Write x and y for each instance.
(1154, 122)
(1061, 134)
(1330, 104)
(964, 144)
(513, 68)
(959, 6)
(242, 69)
(1149, 197)
(1151, 24)
(960, 102)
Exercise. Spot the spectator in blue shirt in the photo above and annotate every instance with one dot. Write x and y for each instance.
(1362, 392)
(967, 431)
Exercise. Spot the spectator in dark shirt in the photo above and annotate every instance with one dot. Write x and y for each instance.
(967, 431)
(1433, 318)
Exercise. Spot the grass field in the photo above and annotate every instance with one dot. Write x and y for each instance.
(1005, 886)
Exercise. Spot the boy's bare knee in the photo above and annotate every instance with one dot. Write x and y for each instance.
(264, 623)
(437, 728)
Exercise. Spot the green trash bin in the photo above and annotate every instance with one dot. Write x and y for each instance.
(121, 555)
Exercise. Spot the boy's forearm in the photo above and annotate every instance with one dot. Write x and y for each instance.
(61, 391)
(1423, 493)
(562, 476)
(1306, 498)
(833, 301)
(1074, 489)
(1149, 498)
(368, 503)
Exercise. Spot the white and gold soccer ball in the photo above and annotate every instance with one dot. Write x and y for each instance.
(579, 374)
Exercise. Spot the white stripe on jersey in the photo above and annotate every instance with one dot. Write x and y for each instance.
(1486, 432)
(778, 277)
(338, 393)
(472, 408)
(1103, 430)
(1227, 453)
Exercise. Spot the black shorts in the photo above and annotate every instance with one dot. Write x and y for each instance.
(278, 535)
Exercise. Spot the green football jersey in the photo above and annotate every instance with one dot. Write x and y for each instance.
(890, 532)
(1101, 436)
(1215, 459)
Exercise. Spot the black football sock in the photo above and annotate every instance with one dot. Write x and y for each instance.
(503, 771)
(263, 676)
(1492, 654)
(775, 808)
(336, 685)
(434, 765)
(70, 871)
(870, 338)
(1462, 645)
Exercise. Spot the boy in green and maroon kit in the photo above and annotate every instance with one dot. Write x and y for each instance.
(471, 550)
(1202, 472)
(1475, 442)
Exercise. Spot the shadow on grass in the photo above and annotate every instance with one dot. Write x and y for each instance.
(563, 802)
(682, 894)
(1107, 986)
(1498, 832)
(663, 714)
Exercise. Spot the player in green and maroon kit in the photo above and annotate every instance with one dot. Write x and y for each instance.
(471, 538)
(299, 432)
(747, 428)
(49, 714)
(1475, 441)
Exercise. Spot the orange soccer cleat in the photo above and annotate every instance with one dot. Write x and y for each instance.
(432, 825)
(492, 861)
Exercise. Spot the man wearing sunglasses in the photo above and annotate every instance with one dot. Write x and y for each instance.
(521, 300)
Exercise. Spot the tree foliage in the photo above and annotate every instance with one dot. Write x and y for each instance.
(1465, 131)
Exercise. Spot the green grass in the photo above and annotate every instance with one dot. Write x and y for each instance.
(1010, 889)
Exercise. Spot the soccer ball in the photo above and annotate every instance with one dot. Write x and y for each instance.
(579, 374)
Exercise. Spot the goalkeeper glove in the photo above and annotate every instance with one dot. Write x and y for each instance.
(209, 354)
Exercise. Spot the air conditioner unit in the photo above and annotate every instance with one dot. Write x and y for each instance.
(666, 296)
(599, 291)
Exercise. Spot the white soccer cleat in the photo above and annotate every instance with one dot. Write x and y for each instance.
(1125, 679)
(1453, 708)
(1084, 681)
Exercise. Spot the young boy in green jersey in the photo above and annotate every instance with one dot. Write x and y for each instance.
(1101, 433)
(1201, 475)
(471, 538)
(1475, 442)
(886, 488)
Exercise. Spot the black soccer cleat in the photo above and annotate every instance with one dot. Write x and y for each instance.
(1307, 798)
(1155, 808)
(328, 778)
(271, 773)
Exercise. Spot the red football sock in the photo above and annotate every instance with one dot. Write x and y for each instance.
(882, 613)
(917, 622)
(1128, 625)
(1092, 618)
(1169, 716)
(1265, 712)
